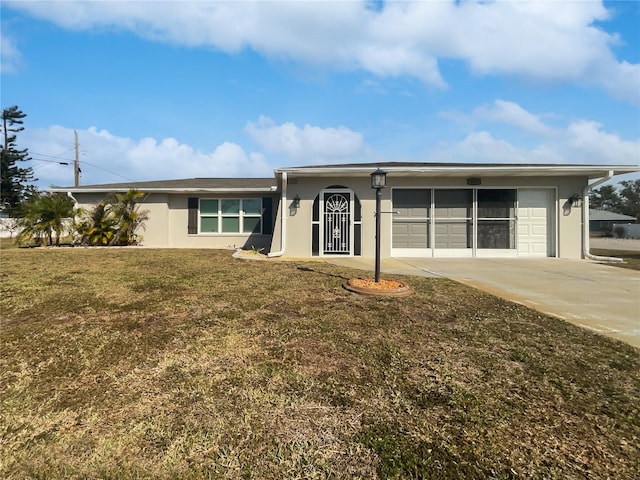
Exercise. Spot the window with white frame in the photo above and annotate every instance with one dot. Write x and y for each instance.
(230, 215)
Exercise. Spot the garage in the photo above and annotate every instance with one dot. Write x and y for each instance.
(472, 222)
(536, 223)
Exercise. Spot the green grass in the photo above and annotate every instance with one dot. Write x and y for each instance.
(141, 363)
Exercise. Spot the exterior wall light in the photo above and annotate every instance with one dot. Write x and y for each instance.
(296, 201)
(575, 200)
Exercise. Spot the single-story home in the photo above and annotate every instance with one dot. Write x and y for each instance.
(601, 221)
(427, 210)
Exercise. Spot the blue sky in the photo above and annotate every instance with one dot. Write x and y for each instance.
(161, 90)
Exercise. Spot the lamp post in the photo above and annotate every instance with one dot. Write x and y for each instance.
(378, 181)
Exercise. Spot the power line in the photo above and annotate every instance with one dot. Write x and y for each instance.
(49, 161)
(67, 161)
(50, 156)
(38, 167)
(84, 162)
(108, 171)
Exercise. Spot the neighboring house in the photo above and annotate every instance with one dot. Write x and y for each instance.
(601, 221)
(626, 230)
(427, 209)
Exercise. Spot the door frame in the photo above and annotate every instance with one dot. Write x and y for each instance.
(351, 227)
(552, 220)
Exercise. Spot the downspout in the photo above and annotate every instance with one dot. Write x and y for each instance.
(283, 219)
(75, 201)
(585, 222)
(76, 211)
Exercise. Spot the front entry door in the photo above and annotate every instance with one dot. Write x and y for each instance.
(336, 223)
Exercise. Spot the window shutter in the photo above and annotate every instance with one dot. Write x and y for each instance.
(192, 204)
(267, 215)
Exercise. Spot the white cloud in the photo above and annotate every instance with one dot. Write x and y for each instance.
(107, 158)
(308, 144)
(543, 41)
(513, 114)
(620, 79)
(483, 147)
(589, 143)
(579, 142)
(10, 56)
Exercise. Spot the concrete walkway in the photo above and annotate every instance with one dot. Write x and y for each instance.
(600, 297)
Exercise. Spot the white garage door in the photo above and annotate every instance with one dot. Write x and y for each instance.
(535, 223)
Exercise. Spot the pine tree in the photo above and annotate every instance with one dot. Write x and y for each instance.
(605, 198)
(14, 189)
(630, 197)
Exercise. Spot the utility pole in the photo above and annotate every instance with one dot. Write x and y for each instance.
(76, 163)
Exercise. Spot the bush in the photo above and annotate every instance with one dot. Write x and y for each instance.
(619, 231)
(114, 221)
(606, 230)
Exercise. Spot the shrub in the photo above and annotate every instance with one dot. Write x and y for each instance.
(619, 231)
(114, 221)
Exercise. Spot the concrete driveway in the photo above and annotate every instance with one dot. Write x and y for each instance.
(600, 297)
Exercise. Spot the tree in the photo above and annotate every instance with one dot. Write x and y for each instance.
(605, 198)
(114, 221)
(14, 188)
(630, 198)
(11, 225)
(43, 216)
(98, 226)
(624, 200)
(128, 217)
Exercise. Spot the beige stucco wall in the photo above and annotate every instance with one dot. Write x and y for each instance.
(567, 224)
(299, 222)
(168, 214)
(570, 224)
(179, 238)
(153, 233)
(168, 219)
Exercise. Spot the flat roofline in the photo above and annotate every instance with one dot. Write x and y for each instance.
(402, 169)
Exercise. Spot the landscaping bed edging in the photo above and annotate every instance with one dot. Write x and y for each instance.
(367, 286)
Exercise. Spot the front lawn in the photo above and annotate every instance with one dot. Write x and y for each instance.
(631, 258)
(141, 363)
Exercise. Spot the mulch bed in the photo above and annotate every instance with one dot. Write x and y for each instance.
(368, 286)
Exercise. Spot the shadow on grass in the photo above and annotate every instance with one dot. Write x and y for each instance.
(309, 269)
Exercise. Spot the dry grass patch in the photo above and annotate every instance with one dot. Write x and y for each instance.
(631, 258)
(133, 363)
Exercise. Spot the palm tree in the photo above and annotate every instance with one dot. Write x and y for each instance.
(129, 218)
(114, 221)
(98, 227)
(43, 216)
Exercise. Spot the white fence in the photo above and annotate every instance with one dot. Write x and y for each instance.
(9, 227)
(631, 230)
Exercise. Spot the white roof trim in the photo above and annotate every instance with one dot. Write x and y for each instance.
(271, 189)
(592, 171)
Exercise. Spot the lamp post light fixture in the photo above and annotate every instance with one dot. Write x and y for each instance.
(378, 181)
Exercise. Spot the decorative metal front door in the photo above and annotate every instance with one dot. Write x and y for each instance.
(337, 223)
